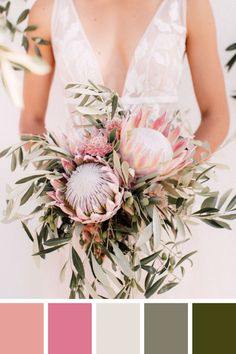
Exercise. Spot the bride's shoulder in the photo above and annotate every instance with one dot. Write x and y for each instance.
(199, 16)
(198, 8)
(40, 15)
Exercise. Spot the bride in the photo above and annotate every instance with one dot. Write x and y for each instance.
(136, 48)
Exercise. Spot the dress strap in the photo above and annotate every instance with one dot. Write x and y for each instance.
(60, 14)
(184, 12)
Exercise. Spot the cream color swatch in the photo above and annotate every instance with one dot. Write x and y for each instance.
(118, 329)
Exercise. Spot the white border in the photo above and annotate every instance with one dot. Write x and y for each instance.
(45, 312)
(94, 328)
(190, 327)
(142, 328)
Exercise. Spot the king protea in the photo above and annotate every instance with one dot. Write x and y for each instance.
(89, 191)
(156, 147)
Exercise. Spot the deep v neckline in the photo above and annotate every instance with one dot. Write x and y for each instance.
(139, 43)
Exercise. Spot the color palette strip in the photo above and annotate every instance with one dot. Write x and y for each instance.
(134, 328)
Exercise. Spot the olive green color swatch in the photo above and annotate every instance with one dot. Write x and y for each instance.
(166, 329)
(214, 328)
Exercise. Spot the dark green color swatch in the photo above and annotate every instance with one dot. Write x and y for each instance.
(214, 328)
(166, 329)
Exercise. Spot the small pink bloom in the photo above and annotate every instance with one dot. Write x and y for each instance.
(96, 145)
(115, 123)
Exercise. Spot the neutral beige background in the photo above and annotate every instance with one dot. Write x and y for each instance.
(118, 329)
(21, 277)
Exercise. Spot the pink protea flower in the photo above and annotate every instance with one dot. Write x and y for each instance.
(90, 193)
(156, 147)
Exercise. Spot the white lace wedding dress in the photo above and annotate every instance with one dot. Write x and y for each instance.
(152, 81)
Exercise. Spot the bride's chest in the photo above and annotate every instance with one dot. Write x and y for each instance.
(135, 46)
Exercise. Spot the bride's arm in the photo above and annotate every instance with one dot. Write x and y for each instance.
(206, 73)
(36, 88)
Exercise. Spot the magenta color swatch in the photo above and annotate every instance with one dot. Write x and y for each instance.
(70, 329)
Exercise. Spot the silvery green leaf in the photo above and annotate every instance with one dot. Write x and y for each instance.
(205, 172)
(102, 277)
(229, 217)
(186, 257)
(172, 191)
(217, 224)
(30, 178)
(4, 152)
(78, 263)
(89, 111)
(186, 179)
(223, 198)
(84, 91)
(209, 202)
(122, 261)
(180, 226)
(125, 170)
(113, 279)
(151, 290)
(99, 272)
(44, 158)
(27, 195)
(40, 190)
(182, 271)
(13, 162)
(12, 208)
(145, 235)
(167, 287)
(150, 258)
(49, 250)
(53, 177)
(17, 191)
(23, 16)
(91, 290)
(59, 150)
(21, 156)
(62, 272)
(10, 82)
(117, 164)
(27, 231)
(157, 228)
(231, 204)
(57, 241)
(144, 249)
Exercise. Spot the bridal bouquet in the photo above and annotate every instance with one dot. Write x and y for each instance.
(118, 193)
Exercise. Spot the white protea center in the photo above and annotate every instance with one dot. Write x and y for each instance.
(154, 142)
(93, 192)
(146, 149)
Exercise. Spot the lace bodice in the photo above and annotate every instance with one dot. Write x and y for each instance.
(155, 70)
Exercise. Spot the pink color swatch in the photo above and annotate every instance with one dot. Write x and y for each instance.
(21, 328)
(70, 328)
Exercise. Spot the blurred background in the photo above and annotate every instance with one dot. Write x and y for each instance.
(21, 276)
